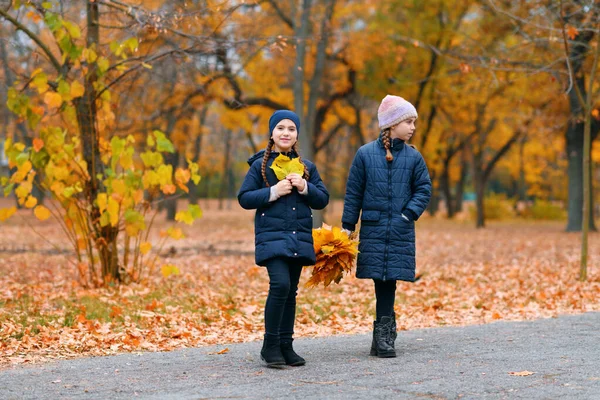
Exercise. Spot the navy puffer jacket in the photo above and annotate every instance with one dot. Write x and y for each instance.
(282, 228)
(384, 191)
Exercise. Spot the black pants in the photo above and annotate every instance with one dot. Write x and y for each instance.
(385, 293)
(280, 309)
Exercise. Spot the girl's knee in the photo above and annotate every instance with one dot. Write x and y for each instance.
(279, 288)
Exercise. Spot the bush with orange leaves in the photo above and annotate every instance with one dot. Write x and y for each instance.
(336, 253)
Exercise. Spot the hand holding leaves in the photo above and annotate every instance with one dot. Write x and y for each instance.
(297, 181)
(283, 187)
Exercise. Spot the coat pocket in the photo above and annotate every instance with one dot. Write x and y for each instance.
(370, 217)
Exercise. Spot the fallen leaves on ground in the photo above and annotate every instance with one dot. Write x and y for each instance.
(507, 271)
(521, 373)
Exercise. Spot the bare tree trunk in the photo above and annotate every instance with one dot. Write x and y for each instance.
(224, 175)
(460, 185)
(194, 189)
(575, 140)
(479, 198)
(85, 107)
(445, 188)
(301, 31)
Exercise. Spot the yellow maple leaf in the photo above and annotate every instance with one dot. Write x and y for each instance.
(283, 166)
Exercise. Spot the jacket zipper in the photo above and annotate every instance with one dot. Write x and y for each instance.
(389, 223)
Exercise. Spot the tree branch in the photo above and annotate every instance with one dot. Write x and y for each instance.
(35, 38)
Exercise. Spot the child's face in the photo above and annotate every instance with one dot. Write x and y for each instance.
(284, 135)
(404, 130)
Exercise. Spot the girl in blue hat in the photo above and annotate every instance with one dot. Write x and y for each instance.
(283, 231)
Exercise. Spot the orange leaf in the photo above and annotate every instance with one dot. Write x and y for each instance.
(225, 350)
(572, 32)
(116, 311)
(38, 144)
(169, 189)
(52, 99)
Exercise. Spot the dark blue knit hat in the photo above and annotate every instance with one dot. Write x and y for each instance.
(280, 115)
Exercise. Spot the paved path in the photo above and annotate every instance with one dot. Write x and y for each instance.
(442, 363)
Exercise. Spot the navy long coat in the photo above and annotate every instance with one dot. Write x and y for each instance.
(383, 191)
(282, 228)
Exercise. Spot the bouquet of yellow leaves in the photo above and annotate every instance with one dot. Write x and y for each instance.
(283, 166)
(335, 251)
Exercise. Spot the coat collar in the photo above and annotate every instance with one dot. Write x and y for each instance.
(397, 144)
(261, 153)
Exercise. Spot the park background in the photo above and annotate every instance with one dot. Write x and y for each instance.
(126, 126)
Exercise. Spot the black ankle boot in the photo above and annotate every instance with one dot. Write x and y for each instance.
(382, 336)
(271, 353)
(373, 345)
(290, 356)
(393, 331)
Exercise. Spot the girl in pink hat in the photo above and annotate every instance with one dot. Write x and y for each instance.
(388, 188)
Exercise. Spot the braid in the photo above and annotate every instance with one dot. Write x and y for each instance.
(386, 144)
(263, 168)
(306, 174)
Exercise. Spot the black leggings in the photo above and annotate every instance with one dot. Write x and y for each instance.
(385, 293)
(280, 309)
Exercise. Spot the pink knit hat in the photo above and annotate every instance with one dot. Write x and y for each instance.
(393, 110)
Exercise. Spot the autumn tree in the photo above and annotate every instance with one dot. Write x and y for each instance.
(95, 176)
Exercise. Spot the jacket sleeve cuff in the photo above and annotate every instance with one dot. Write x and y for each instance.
(410, 214)
(305, 191)
(273, 196)
(350, 227)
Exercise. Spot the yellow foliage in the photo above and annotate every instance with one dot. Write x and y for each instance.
(336, 253)
(6, 213)
(77, 89)
(30, 202)
(169, 269)
(42, 213)
(283, 166)
(145, 247)
(53, 99)
(113, 211)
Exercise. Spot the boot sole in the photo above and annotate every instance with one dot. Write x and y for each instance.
(274, 364)
(297, 364)
(374, 353)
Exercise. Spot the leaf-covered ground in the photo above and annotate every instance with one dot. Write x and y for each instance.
(510, 270)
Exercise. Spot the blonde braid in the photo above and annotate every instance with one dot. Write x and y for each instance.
(386, 144)
(306, 174)
(263, 168)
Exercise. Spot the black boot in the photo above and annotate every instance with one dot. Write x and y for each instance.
(393, 331)
(271, 353)
(291, 358)
(373, 345)
(382, 335)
